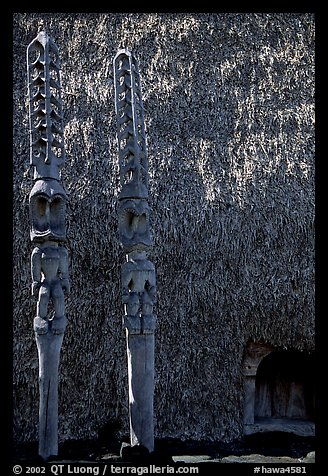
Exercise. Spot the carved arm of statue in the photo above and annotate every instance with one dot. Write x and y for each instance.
(36, 270)
(63, 269)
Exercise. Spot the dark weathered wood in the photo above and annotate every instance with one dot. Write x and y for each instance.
(138, 277)
(140, 356)
(47, 205)
(49, 346)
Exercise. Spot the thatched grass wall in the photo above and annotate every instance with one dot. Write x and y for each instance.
(229, 111)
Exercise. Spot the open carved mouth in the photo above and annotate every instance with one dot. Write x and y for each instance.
(46, 235)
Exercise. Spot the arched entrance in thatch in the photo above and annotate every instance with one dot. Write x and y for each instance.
(279, 390)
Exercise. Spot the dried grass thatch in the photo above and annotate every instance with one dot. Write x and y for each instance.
(229, 110)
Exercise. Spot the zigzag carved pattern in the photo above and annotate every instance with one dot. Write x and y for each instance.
(130, 120)
(45, 106)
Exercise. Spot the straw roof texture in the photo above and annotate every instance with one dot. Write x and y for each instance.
(229, 116)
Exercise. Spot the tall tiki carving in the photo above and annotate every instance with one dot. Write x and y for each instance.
(47, 205)
(138, 277)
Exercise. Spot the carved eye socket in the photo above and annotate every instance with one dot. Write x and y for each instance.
(129, 223)
(142, 224)
(39, 214)
(42, 206)
(129, 219)
(57, 214)
(55, 206)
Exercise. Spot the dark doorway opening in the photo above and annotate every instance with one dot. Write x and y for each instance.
(284, 386)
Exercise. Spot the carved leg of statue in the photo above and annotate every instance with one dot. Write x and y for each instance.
(49, 345)
(140, 353)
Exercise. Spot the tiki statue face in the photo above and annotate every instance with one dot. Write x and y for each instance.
(47, 211)
(134, 224)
